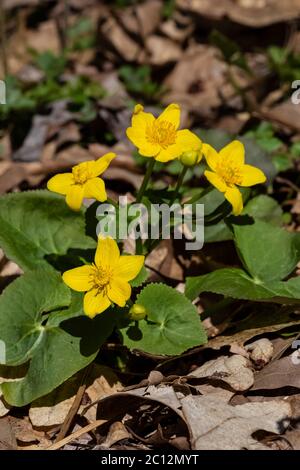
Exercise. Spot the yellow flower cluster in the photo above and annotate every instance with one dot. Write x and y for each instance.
(107, 280)
(160, 139)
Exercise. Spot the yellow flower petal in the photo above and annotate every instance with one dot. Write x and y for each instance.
(234, 196)
(95, 189)
(60, 183)
(140, 119)
(171, 114)
(216, 181)
(99, 166)
(187, 141)
(252, 176)
(119, 291)
(138, 137)
(234, 151)
(129, 266)
(79, 279)
(107, 253)
(167, 154)
(211, 156)
(95, 302)
(75, 196)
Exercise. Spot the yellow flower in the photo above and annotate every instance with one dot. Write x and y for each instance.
(159, 138)
(82, 182)
(107, 280)
(229, 171)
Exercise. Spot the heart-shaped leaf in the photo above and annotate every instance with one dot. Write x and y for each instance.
(237, 284)
(57, 344)
(172, 325)
(269, 253)
(39, 223)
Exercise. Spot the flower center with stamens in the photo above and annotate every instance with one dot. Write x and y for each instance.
(80, 174)
(229, 171)
(162, 133)
(101, 277)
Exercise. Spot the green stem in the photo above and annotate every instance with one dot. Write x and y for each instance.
(199, 196)
(179, 183)
(222, 211)
(146, 180)
(139, 246)
(176, 191)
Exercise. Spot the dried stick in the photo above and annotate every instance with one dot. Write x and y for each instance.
(74, 408)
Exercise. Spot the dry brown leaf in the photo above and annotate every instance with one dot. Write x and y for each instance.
(7, 437)
(42, 128)
(266, 323)
(26, 435)
(142, 19)
(43, 38)
(293, 437)
(116, 97)
(278, 374)
(161, 261)
(177, 28)
(196, 80)
(285, 114)
(52, 410)
(118, 40)
(164, 394)
(216, 425)
(117, 432)
(254, 13)
(68, 134)
(234, 370)
(161, 51)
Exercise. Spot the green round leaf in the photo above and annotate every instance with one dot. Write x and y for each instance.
(172, 325)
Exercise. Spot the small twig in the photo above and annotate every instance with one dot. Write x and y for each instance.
(77, 434)
(74, 408)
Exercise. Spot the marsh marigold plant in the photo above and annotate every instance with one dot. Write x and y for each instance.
(83, 182)
(159, 137)
(228, 171)
(107, 280)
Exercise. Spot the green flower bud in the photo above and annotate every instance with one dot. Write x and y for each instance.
(190, 158)
(137, 312)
